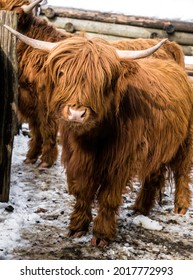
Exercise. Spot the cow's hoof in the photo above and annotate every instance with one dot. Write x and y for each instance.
(180, 210)
(97, 242)
(28, 160)
(44, 165)
(76, 234)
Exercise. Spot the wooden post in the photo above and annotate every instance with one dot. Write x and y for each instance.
(8, 99)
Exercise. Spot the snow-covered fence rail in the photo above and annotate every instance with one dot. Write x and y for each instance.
(116, 26)
(8, 99)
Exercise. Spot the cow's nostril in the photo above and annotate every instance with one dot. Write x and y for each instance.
(76, 115)
(83, 115)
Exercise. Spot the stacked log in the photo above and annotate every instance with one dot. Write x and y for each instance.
(112, 26)
(116, 26)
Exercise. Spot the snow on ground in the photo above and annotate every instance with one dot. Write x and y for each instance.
(34, 222)
(147, 223)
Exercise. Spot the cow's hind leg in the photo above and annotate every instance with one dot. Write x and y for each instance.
(49, 129)
(182, 167)
(35, 144)
(152, 187)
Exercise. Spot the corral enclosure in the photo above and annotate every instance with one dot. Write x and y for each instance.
(36, 228)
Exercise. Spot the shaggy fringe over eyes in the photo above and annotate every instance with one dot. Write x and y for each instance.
(98, 68)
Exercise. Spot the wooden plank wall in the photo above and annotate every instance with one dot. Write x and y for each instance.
(8, 103)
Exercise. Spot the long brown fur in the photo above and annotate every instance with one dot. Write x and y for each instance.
(31, 101)
(137, 122)
(32, 105)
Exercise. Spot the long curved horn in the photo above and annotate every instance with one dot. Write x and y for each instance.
(28, 8)
(48, 46)
(37, 44)
(140, 53)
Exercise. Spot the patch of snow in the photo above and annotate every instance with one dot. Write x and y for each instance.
(146, 223)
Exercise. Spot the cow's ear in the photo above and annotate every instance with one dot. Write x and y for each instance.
(128, 73)
(127, 78)
(121, 85)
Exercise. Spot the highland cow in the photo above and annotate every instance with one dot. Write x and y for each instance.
(32, 108)
(121, 118)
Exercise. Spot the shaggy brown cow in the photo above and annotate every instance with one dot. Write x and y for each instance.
(121, 118)
(31, 105)
(32, 110)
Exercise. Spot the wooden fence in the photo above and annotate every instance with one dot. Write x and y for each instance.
(8, 99)
(116, 26)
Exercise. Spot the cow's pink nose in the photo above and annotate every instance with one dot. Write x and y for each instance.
(76, 115)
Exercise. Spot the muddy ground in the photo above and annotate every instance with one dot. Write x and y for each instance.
(37, 225)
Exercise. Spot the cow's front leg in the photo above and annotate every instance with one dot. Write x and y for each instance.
(80, 218)
(81, 215)
(104, 229)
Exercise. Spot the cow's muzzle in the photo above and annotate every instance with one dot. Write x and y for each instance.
(76, 115)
